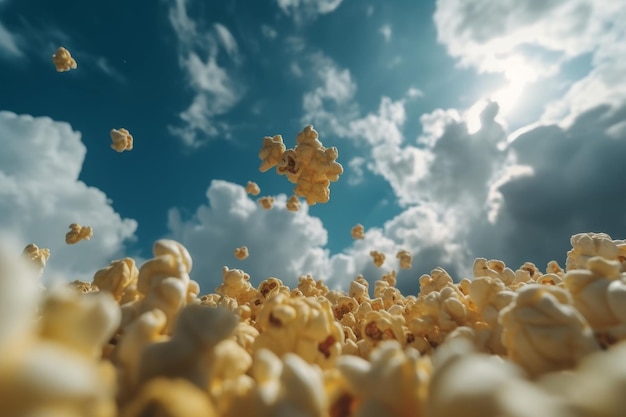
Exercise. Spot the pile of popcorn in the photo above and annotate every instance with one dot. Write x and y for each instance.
(143, 341)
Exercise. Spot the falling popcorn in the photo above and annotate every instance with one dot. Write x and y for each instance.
(37, 257)
(309, 165)
(241, 253)
(405, 259)
(266, 202)
(293, 203)
(122, 140)
(78, 233)
(63, 60)
(379, 258)
(358, 232)
(252, 188)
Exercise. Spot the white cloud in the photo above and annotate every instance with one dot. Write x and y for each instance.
(9, 43)
(330, 104)
(307, 10)
(40, 196)
(227, 40)
(355, 171)
(385, 30)
(215, 93)
(281, 243)
(413, 92)
(286, 244)
(269, 32)
(105, 66)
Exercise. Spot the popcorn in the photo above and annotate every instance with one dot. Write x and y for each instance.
(236, 284)
(599, 294)
(37, 257)
(588, 245)
(266, 202)
(122, 140)
(537, 311)
(393, 383)
(379, 258)
(241, 253)
(188, 354)
(117, 277)
(405, 259)
(78, 233)
(271, 153)
(358, 232)
(163, 282)
(252, 188)
(309, 165)
(293, 203)
(63, 60)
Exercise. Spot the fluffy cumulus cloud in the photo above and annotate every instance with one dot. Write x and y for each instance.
(214, 91)
(281, 243)
(286, 244)
(307, 10)
(40, 196)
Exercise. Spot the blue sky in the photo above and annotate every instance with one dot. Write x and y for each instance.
(398, 87)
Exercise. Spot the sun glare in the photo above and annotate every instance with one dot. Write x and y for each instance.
(518, 76)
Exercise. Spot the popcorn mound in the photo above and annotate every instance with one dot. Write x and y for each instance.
(143, 342)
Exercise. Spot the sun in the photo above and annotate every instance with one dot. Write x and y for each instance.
(518, 75)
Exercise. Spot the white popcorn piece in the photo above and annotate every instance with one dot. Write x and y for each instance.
(241, 253)
(78, 233)
(117, 277)
(588, 245)
(63, 60)
(405, 259)
(252, 188)
(197, 331)
(358, 232)
(122, 140)
(538, 311)
(293, 203)
(266, 202)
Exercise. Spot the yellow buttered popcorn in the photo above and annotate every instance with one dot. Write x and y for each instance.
(293, 203)
(405, 259)
(38, 257)
(272, 152)
(266, 202)
(252, 188)
(63, 60)
(241, 253)
(309, 165)
(358, 232)
(78, 233)
(378, 257)
(122, 140)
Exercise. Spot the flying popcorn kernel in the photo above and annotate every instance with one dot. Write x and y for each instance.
(266, 202)
(379, 258)
(293, 204)
(271, 153)
(405, 259)
(122, 140)
(252, 188)
(63, 60)
(241, 253)
(309, 165)
(358, 232)
(78, 233)
(38, 257)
